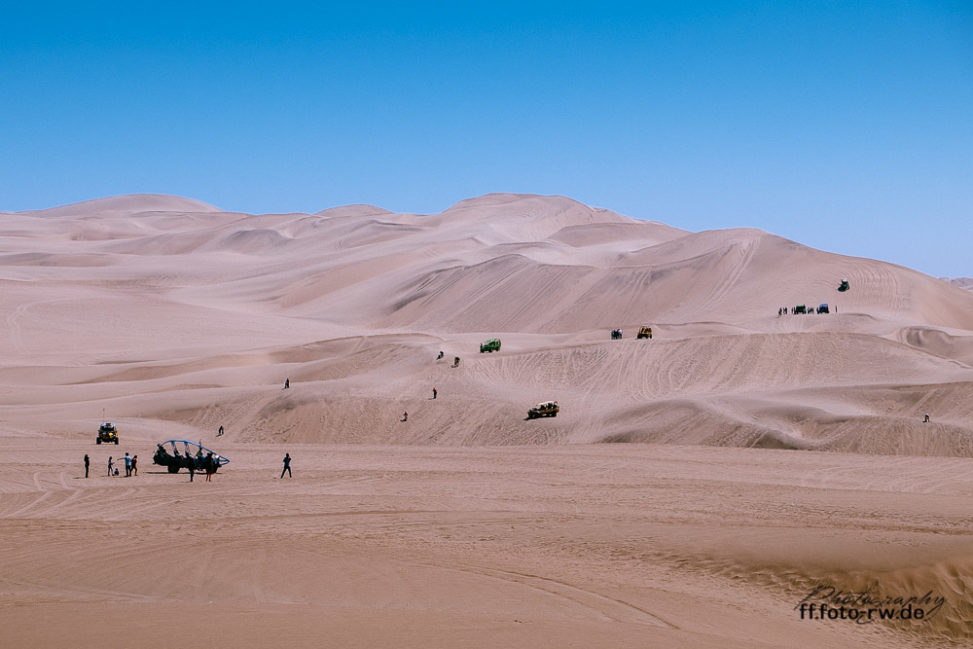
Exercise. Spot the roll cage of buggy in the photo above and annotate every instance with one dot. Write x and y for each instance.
(193, 453)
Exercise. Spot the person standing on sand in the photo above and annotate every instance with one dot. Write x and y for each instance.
(135, 465)
(111, 465)
(287, 383)
(220, 434)
(128, 465)
(209, 465)
(191, 465)
(434, 393)
(287, 466)
(405, 416)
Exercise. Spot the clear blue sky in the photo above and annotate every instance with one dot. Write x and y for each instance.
(847, 126)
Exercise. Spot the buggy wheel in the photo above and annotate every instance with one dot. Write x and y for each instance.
(97, 440)
(173, 468)
(116, 441)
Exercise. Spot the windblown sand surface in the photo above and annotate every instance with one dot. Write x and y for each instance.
(693, 490)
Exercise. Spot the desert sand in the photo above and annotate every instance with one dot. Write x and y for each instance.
(694, 489)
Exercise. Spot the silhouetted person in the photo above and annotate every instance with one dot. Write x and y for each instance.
(287, 466)
(434, 393)
(287, 383)
(87, 463)
(191, 465)
(926, 418)
(111, 465)
(135, 465)
(405, 416)
(440, 355)
(220, 434)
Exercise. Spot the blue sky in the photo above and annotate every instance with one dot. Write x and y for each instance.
(847, 126)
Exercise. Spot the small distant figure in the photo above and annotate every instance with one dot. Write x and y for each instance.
(87, 463)
(287, 383)
(135, 465)
(925, 419)
(287, 467)
(191, 465)
(128, 465)
(434, 393)
(456, 361)
(111, 465)
(440, 355)
(405, 416)
(220, 433)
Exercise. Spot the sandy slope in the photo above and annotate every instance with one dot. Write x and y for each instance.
(172, 318)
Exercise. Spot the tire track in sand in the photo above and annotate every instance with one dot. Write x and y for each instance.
(610, 608)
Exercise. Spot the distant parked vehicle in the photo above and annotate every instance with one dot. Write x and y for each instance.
(800, 308)
(844, 286)
(645, 332)
(616, 334)
(107, 433)
(491, 345)
(544, 409)
(823, 308)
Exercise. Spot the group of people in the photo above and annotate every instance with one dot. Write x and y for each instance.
(209, 464)
(824, 308)
(131, 465)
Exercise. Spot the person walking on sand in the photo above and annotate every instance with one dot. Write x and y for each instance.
(287, 383)
(209, 464)
(405, 416)
(111, 465)
(287, 466)
(87, 463)
(434, 393)
(220, 434)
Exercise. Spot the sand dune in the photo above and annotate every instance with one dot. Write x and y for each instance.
(209, 298)
(738, 456)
